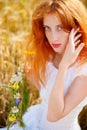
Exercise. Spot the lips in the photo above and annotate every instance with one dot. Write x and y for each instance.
(56, 45)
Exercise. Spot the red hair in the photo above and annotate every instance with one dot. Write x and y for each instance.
(72, 14)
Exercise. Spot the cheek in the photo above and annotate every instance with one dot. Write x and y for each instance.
(48, 37)
(66, 38)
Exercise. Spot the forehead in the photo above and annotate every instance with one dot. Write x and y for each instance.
(51, 19)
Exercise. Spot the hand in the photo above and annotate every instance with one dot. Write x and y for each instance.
(73, 49)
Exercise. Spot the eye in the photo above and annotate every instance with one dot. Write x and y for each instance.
(46, 28)
(59, 28)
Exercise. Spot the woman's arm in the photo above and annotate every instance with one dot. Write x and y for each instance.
(60, 105)
(56, 100)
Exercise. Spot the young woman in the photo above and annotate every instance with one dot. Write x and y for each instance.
(59, 66)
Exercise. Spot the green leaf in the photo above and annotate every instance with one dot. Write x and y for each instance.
(25, 100)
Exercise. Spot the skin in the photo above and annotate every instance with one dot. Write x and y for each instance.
(60, 105)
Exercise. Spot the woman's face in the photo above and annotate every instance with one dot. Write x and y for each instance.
(55, 33)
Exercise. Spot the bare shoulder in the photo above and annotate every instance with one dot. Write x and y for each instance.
(81, 80)
(78, 88)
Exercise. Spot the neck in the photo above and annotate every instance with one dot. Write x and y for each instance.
(57, 60)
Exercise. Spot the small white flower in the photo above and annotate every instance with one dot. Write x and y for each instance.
(17, 95)
(16, 77)
(15, 109)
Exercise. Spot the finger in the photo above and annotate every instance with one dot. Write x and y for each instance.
(77, 37)
(79, 48)
(71, 39)
(71, 36)
(76, 31)
(73, 32)
(77, 42)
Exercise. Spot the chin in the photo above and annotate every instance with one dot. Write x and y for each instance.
(59, 52)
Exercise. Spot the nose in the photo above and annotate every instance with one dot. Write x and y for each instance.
(54, 36)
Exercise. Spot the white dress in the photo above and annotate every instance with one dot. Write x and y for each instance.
(35, 116)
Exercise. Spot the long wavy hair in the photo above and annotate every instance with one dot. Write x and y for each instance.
(72, 14)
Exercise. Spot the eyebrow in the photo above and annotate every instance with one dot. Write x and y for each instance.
(46, 26)
(59, 25)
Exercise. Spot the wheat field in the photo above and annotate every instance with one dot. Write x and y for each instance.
(15, 25)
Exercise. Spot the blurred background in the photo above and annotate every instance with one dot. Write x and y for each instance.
(15, 26)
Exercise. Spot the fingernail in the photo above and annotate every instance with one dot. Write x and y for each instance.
(83, 44)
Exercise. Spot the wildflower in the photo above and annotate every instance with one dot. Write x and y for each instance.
(17, 77)
(20, 98)
(15, 86)
(15, 109)
(12, 118)
(17, 101)
(29, 52)
(17, 95)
